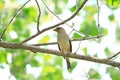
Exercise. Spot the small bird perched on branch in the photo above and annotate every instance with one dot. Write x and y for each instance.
(64, 43)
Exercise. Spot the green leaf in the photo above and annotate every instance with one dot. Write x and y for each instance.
(85, 50)
(113, 3)
(50, 72)
(94, 74)
(28, 14)
(75, 35)
(104, 31)
(114, 73)
(1, 4)
(91, 10)
(111, 17)
(48, 69)
(34, 63)
(58, 60)
(89, 28)
(44, 39)
(73, 8)
(74, 64)
(3, 56)
(47, 57)
(107, 52)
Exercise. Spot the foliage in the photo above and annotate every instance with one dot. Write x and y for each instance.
(22, 27)
(93, 74)
(113, 72)
(113, 3)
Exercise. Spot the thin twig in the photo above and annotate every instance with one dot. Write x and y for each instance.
(76, 4)
(77, 39)
(71, 31)
(61, 19)
(87, 76)
(39, 14)
(58, 24)
(114, 55)
(98, 16)
(78, 47)
(17, 12)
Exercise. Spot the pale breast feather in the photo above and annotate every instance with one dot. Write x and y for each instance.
(64, 43)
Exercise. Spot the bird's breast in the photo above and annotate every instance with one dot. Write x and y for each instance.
(63, 42)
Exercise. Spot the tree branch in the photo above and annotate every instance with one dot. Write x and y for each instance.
(35, 49)
(77, 39)
(114, 55)
(98, 16)
(58, 24)
(39, 14)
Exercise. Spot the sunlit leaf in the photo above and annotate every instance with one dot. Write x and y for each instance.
(107, 52)
(89, 28)
(111, 17)
(1, 5)
(113, 72)
(44, 39)
(73, 8)
(73, 65)
(113, 3)
(48, 69)
(29, 14)
(46, 18)
(85, 50)
(47, 57)
(104, 31)
(58, 61)
(3, 56)
(90, 10)
(93, 74)
(34, 63)
(51, 73)
(75, 35)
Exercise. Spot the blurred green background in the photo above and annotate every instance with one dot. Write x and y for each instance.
(25, 65)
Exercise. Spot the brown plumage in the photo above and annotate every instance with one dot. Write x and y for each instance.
(64, 43)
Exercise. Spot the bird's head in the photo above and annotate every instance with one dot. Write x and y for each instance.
(58, 29)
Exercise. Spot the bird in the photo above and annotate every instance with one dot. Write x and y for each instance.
(64, 43)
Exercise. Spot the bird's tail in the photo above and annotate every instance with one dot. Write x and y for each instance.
(68, 63)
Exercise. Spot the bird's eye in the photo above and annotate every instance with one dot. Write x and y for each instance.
(58, 28)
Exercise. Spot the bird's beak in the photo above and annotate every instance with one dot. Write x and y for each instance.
(55, 30)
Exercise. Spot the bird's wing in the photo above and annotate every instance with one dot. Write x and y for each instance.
(70, 46)
(59, 47)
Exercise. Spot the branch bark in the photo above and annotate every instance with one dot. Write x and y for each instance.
(39, 14)
(76, 39)
(35, 49)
